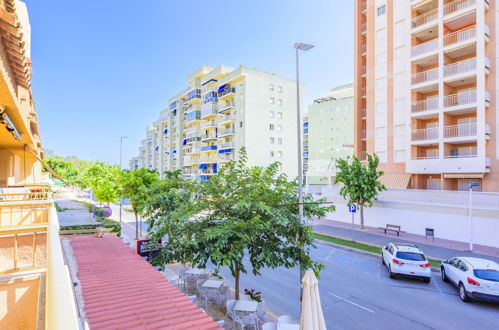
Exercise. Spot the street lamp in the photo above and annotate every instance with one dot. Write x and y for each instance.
(472, 184)
(298, 47)
(121, 167)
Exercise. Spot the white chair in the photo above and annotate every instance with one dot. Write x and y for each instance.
(182, 278)
(262, 314)
(283, 319)
(269, 326)
(245, 319)
(229, 309)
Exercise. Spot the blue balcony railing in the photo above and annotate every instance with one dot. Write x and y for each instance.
(194, 94)
(226, 91)
(208, 148)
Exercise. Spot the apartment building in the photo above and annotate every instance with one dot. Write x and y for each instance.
(220, 111)
(330, 133)
(425, 85)
(35, 288)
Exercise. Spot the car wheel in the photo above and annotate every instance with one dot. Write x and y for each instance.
(383, 260)
(392, 275)
(444, 275)
(462, 293)
(427, 279)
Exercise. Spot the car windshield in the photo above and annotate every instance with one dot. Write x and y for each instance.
(411, 256)
(487, 274)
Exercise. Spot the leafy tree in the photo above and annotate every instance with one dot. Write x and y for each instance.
(242, 211)
(360, 183)
(138, 186)
(102, 179)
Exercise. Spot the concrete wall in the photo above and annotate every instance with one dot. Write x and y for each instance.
(449, 222)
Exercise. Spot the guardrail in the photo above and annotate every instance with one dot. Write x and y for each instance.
(460, 36)
(463, 98)
(425, 47)
(460, 67)
(425, 76)
(458, 5)
(427, 17)
(424, 134)
(430, 103)
(462, 130)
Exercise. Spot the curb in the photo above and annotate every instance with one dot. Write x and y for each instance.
(348, 248)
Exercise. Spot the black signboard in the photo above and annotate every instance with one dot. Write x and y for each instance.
(144, 248)
(430, 232)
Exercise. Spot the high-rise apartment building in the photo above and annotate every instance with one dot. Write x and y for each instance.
(330, 133)
(222, 110)
(425, 83)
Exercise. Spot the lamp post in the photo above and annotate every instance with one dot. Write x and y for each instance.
(472, 184)
(121, 167)
(298, 47)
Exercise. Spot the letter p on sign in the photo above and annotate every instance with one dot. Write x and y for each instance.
(352, 208)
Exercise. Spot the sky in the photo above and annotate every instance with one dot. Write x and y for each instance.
(106, 68)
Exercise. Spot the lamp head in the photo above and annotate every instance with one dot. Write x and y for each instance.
(302, 46)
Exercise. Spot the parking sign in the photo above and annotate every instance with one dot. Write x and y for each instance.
(352, 208)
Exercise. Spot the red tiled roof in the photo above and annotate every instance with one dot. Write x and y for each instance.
(123, 291)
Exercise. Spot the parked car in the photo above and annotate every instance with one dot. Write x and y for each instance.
(406, 260)
(474, 277)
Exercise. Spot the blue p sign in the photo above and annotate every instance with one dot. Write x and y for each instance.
(352, 208)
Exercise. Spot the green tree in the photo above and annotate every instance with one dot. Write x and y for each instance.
(360, 183)
(103, 180)
(242, 211)
(138, 186)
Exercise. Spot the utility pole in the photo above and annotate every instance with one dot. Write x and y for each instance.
(121, 168)
(472, 184)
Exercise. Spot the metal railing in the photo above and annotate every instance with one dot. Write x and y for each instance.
(208, 159)
(226, 145)
(460, 36)
(425, 157)
(227, 131)
(462, 130)
(430, 103)
(211, 123)
(363, 6)
(209, 148)
(458, 5)
(425, 76)
(363, 28)
(211, 136)
(363, 49)
(425, 47)
(226, 157)
(427, 17)
(363, 70)
(464, 152)
(363, 112)
(226, 91)
(460, 67)
(363, 134)
(225, 106)
(463, 98)
(226, 118)
(363, 92)
(209, 109)
(425, 134)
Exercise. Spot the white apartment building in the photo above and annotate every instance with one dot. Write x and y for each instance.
(425, 91)
(222, 110)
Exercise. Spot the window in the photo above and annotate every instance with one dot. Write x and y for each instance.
(272, 100)
(413, 256)
(381, 10)
(240, 124)
(271, 153)
(271, 114)
(272, 140)
(279, 102)
(279, 89)
(271, 87)
(279, 140)
(279, 154)
(279, 115)
(279, 128)
(271, 127)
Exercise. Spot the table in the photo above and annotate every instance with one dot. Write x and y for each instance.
(246, 306)
(196, 271)
(288, 326)
(212, 284)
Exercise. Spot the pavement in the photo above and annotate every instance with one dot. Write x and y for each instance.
(440, 249)
(74, 214)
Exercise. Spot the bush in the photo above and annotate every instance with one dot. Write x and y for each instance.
(113, 224)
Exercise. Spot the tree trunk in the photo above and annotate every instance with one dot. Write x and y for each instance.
(136, 225)
(362, 217)
(236, 280)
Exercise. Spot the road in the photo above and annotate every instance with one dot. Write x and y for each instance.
(356, 293)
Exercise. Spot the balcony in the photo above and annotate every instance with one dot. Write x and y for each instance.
(193, 116)
(425, 134)
(429, 104)
(194, 150)
(208, 160)
(463, 130)
(363, 70)
(461, 36)
(426, 18)
(225, 157)
(226, 106)
(457, 6)
(363, 135)
(363, 113)
(424, 157)
(460, 67)
(209, 148)
(462, 99)
(226, 145)
(209, 110)
(363, 28)
(226, 119)
(193, 95)
(208, 137)
(425, 76)
(463, 152)
(363, 6)
(225, 132)
(363, 92)
(363, 49)
(226, 92)
(209, 124)
(425, 48)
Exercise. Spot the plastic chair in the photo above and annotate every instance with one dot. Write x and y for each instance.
(222, 295)
(269, 326)
(182, 278)
(261, 313)
(245, 320)
(229, 309)
(283, 319)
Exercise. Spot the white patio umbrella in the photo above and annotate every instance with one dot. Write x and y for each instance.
(311, 310)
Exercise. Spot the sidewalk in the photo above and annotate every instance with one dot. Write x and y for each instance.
(440, 249)
(74, 214)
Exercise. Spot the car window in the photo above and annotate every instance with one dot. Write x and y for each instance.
(411, 256)
(461, 266)
(390, 249)
(487, 274)
(454, 262)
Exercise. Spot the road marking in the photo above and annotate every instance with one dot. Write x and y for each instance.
(330, 253)
(351, 302)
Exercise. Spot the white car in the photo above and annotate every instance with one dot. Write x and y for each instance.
(476, 278)
(406, 260)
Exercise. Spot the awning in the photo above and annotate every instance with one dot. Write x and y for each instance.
(214, 168)
(185, 142)
(174, 151)
(221, 88)
(395, 180)
(463, 175)
(202, 166)
(51, 171)
(165, 131)
(224, 151)
(214, 80)
(157, 148)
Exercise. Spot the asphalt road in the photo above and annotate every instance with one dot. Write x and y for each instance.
(356, 293)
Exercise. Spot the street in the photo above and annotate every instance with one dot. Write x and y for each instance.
(356, 293)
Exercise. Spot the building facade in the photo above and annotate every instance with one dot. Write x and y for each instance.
(330, 133)
(222, 110)
(425, 84)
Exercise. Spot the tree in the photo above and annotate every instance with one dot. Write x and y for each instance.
(242, 211)
(360, 183)
(137, 186)
(103, 180)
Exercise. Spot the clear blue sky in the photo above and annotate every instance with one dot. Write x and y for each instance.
(106, 68)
